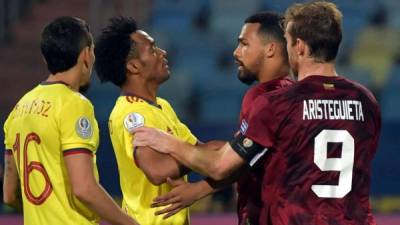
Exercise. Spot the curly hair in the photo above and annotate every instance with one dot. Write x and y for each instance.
(114, 47)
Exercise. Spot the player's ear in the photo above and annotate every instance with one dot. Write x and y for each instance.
(301, 47)
(270, 49)
(84, 56)
(133, 66)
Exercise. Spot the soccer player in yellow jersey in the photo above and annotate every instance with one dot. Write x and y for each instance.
(51, 137)
(129, 58)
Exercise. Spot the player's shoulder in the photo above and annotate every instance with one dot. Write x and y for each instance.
(128, 105)
(76, 99)
(63, 94)
(361, 89)
(163, 102)
(254, 91)
(286, 81)
(261, 88)
(165, 106)
(263, 101)
(30, 94)
(274, 99)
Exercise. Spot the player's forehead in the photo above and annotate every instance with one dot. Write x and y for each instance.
(287, 28)
(142, 38)
(249, 31)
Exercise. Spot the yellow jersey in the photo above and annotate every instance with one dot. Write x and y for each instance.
(138, 193)
(48, 122)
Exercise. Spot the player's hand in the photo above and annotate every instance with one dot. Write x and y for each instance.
(182, 195)
(151, 137)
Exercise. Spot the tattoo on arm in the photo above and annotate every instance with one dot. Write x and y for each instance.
(12, 173)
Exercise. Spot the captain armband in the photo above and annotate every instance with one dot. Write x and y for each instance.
(249, 150)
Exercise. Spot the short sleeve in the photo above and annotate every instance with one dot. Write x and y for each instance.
(256, 132)
(137, 118)
(261, 124)
(185, 134)
(134, 118)
(8, 142)
(78, 125)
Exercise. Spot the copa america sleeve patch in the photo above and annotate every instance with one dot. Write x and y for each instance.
(84, 128)
(133, 121)
(247, 148)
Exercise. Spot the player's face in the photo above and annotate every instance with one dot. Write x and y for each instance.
(85, 81)
(249, 53)
(290, 46)
(154, 64)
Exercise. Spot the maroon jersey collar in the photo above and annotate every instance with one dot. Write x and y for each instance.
(277, 81)
(321, 78)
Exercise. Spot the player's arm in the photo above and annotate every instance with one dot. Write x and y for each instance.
(247, 147)
(184, 194)
(212, 145)
(89, 191)
(159, 166)
(11, 184)
(217, 164)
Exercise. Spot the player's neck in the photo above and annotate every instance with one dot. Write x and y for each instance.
(68, 77)
(272, 72)
(144, 90)
(311, 68)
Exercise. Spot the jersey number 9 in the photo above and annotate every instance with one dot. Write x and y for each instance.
(343, 164)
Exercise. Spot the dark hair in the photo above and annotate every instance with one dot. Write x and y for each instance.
(319, 24)
(270, 25)
(113, 47)
(62, 41)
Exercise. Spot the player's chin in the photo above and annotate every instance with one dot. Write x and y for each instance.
(166, 72)
(245, 78)
(165, 76)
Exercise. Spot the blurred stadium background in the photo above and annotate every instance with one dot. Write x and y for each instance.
(200, 36)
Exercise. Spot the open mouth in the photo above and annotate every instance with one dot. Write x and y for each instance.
(165, 63)
(239, 64)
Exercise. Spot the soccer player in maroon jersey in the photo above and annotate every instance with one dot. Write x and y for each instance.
(317, 138)
(260, 55)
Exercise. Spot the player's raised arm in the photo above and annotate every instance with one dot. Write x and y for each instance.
(11, 186)
(88, 190)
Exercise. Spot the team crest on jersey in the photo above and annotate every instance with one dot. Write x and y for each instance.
(243, 127)
(84, 128)
(133, 121)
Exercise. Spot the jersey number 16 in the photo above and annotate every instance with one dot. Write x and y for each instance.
(29, 167)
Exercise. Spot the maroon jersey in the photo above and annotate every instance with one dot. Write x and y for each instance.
(248, 186)
(320, 136)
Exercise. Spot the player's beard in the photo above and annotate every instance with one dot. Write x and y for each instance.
(246, 77)
(84, 88)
